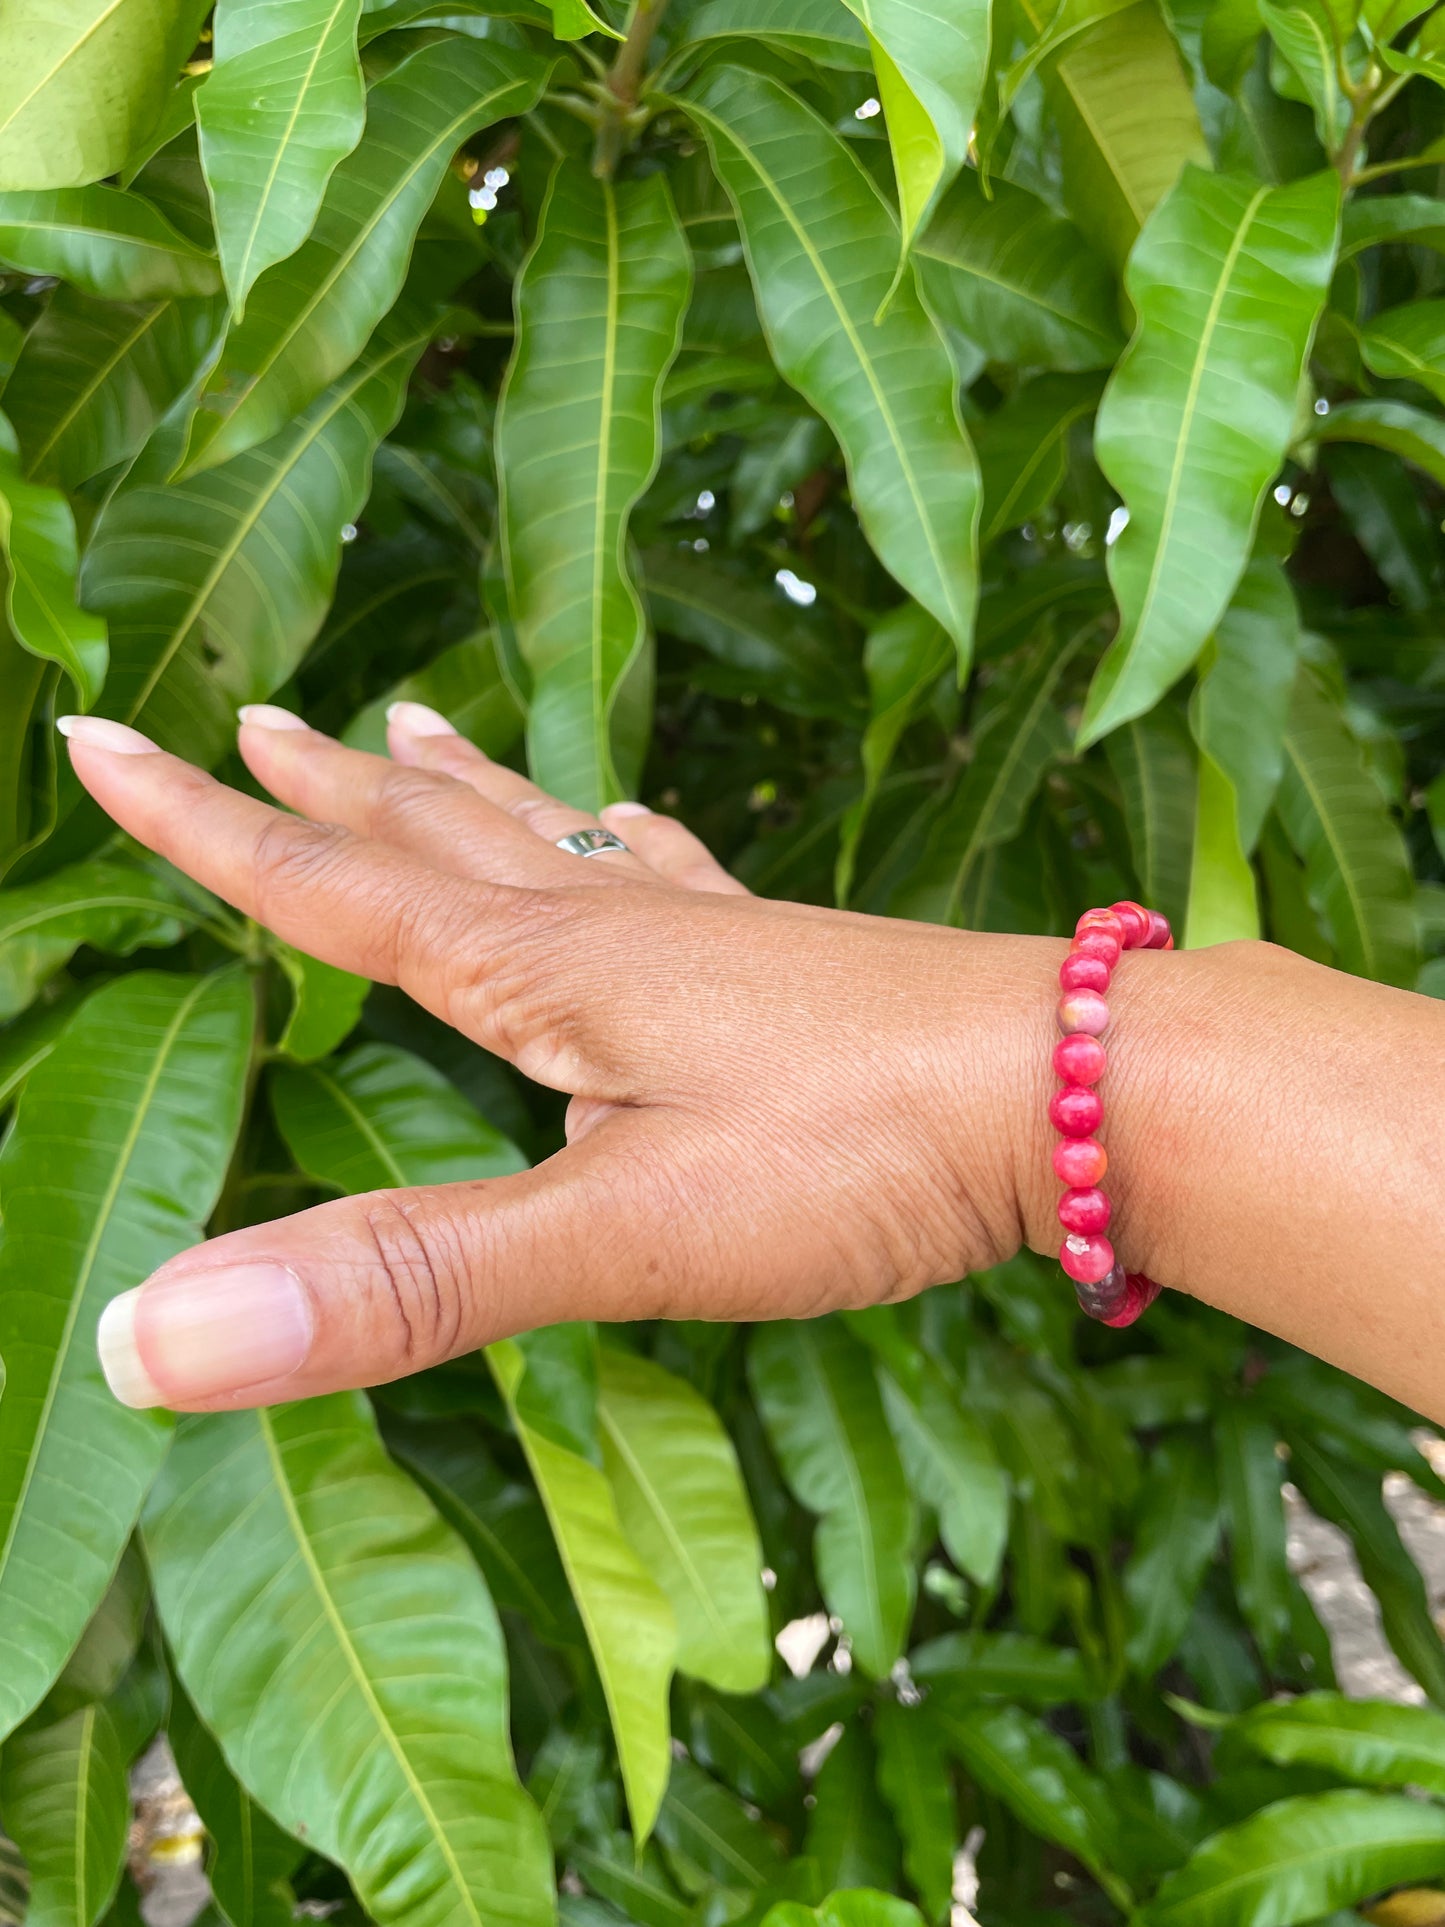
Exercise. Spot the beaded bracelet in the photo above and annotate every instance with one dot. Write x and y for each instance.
(1104, 1289)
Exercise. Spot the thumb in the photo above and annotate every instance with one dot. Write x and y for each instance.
(369, 1288)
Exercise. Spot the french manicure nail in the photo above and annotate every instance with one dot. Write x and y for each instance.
(99, 732)
(269, 716)
(178, 1340)
(625, 809)
(415, 719)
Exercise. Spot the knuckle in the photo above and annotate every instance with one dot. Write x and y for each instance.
(409, 800)
(419, 1278)
(535, 811)
(521, 991)
(291, 856)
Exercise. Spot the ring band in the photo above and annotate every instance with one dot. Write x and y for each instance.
(591, 843)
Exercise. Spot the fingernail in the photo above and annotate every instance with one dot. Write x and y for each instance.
(625, 809)
(99, 732)
(269, 716)
(177, 1340)
(417, 720)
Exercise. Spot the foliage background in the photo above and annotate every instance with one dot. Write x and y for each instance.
(967, 468)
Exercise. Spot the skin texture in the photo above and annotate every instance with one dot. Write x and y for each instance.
(776, 1110)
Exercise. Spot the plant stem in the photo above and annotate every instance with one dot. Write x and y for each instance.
(624, 84)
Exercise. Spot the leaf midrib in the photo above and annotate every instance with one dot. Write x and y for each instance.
(849, 1457)
(90, 388)
(70, 53)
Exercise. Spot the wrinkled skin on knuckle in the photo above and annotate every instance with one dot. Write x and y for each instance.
(418, 1280)
(408, 802)
(291, 857)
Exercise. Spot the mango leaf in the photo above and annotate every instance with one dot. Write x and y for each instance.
(1391, 425)
(377, 20)
(822, 248)
(1379, 500)
(709, 1835)
(599, 318)
(1175, 1535)
(1301, 1859)
(466, 684)
(682, 1503)
(630, 1624)
(115, 906)
(930, 67)
(213, 587)
(1408, 344)
(860, 1908)
(141, 1098)
(94, 378)
(1369, 221)
(1240, 708)
(309, 316)
(109, 243)
(108, 1646)
(1374, 1741)
(37, 540)
(850, 1835)
(1024, 734)
(820, 30)
(250, 1861)
(913, 1777)
(325, 1004)
(336, 1637)
(950, 1462)
(1153, 761)
(1223, 900)
(1023, 448)
(1309, 37)
(821, 1406)
(1228, 282)
(81, 81)
(1018, 279)
(1011, 1666)
(30, 1040)
(1356, 866)
(1250, 1477)
(905, 657)
(281, 106)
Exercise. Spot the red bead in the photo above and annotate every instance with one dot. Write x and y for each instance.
(1104, 920)
(1159, 937)
(1083, 973)
(1098, 943)
(1088, 1259)
(1139, 1295)
(1135, 919)
(1080, 1059)
(1080, 1161)
(1083, 1010)
(1085, 1210)
(1076, 1112)
(1106, 1299)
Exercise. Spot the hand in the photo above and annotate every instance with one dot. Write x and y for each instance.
(776, 1110)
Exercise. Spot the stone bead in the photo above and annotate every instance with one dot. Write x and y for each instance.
(1140, 1293)
(1087, 1258)
(1080, 1059)
(1102, 944)
(1105, 1299)
(1083, 1010)
(1076, 1112)
(1135, 919)
(1160, 937)
(1085, 1209)
(1105, 920)
(1080, 1161)
(1083, 973)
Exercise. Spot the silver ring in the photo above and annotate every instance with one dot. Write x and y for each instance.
(591, 843)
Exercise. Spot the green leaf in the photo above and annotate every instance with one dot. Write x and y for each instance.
(1024, 734)
(913, 1777)
(117, 907)
(1011, 1666)
(466, 684)
(1309, 38)
(1382, 505)
(30, 1040)
(81, 81)
(1153, 761)
(1223, 900)
(1241, 706)
(1250, 1476)
(251, 1860)
(1392, 425)
(325, 1004)
(1356, 865)
(821, 30)
(281, 106)
(1018, 279)
(860, 1908)
(930, 66)
(600, 304)
(706, 1831)
(109, 243)
(138, 1105)
(94, 378)
(850, 1832)
(1408, 344)
(1228, 280)
(1175, 1535)
(822, 249)
(108, 1645)
(1023, 448)
(950, 1462)
(1371, 220)
(1300, 1859)
(1374, 1741)
(212, 588)
(819, 1400)
(630, 1624)
(336, 1637)
(682, 1503)
(308, 317)
(37, 539)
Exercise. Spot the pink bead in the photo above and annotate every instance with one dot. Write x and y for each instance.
(1076, 1112)
(1088, 1258)
(1159, 937)
(1080, 1161)
(1083, 1010)
(1085, 1210)
(1105, 1299)
(1083, 973)
(1135, 919)
(1098, 943)
(1080, 1059)
(1139, 1295)
(1105, 920)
